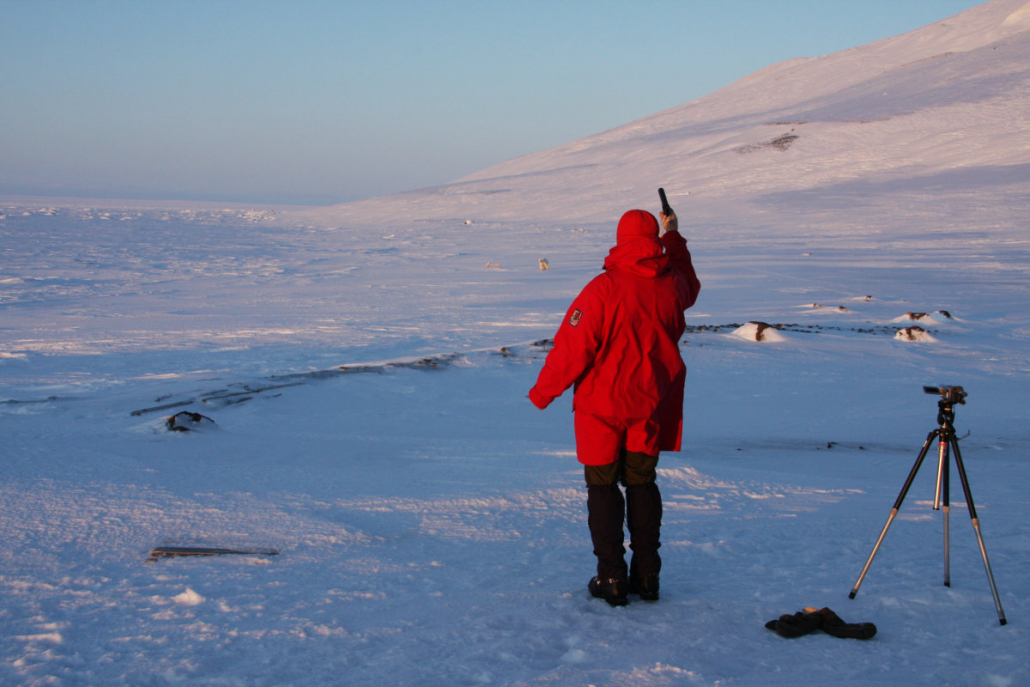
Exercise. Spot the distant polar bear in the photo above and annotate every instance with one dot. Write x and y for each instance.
(544, 265)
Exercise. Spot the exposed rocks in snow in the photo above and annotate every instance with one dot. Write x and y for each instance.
(783, 142)
(223, 397)
(914, 333)
(779, 143)
(434, 363)
(240, 393)
(759, 332)
(934, 317)
(163, 551)
(189, 422)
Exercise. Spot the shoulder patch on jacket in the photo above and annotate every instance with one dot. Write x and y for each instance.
(576, 316)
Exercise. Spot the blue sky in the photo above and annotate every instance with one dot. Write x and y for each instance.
(318, 102)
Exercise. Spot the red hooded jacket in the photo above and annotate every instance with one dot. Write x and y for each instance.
(619, 346)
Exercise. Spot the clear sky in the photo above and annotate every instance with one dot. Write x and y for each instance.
(319, 102)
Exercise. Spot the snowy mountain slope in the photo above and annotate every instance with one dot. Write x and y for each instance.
(952, 95)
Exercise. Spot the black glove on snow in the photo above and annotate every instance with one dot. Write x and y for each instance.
(811, 619)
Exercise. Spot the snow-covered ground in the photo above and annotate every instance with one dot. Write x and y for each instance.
(367, 366)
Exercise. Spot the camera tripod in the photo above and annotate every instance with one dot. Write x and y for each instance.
(945, 434)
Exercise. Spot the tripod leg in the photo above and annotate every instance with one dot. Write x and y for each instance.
(976, 527)
(944, 494)
(894, 510)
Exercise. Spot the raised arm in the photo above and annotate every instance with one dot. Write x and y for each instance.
(679, 257)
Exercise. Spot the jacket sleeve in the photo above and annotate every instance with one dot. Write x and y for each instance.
(575, 345)
(679, 258)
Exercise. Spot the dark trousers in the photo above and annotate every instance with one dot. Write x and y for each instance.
(641, 509)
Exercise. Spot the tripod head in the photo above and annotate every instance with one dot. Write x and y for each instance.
(950, 395)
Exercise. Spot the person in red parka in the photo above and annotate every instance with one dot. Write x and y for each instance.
(619, 347)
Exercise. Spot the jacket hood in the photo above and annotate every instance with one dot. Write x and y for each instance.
(640, 255)
(636, 223)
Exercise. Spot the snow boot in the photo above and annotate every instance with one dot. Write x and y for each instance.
(611, 589)
(645, 587)
(605, 514)
(644, 519)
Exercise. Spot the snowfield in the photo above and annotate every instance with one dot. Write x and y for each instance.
(365, 370)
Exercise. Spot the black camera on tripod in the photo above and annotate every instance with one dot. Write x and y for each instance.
(950, 394)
